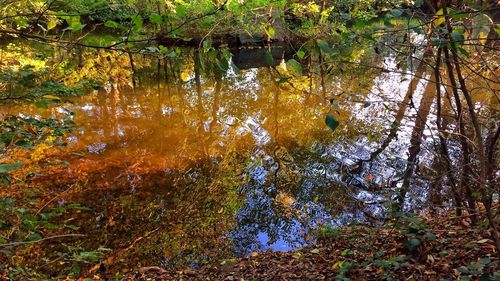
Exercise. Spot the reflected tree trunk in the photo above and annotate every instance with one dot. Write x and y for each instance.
(199, 105)
(134, 71)
(420, 71)
(102, 103)
(216, 101)
(115, 100)
(416, 138)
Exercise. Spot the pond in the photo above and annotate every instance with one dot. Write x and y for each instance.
(182, 162)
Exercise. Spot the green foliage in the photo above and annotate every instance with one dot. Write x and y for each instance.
(28, 83)
(294, 67)
(252, 16)
(18, 80)
(415, 231)
(323, 45)
(23, 132)
(98, 10)
(155, 18)
(342, 271)
(331, 122)
(74, 22)
(20, 223)
(4, 168)
(21, 226)
(28, 132)
(4, 172)
(480, 269)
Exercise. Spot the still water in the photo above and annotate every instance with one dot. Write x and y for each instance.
(185, 164)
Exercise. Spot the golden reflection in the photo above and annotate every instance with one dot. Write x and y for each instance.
(204, 164)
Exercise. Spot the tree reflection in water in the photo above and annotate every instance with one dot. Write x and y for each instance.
(209, 164)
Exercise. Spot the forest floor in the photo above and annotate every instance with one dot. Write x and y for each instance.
(430, 247)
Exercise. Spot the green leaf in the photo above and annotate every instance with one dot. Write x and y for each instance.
(78, 207)
(223, 64)
(396, 12)
(294, 67)
(180, 10)
(112, 24)
(323, 45)
(137, 21)
(271, 32)
(485, 261)
(156, 19)
(439, 42)
(89, 256)
(75, 270)
(301, 54)
(207, 45)
(282, 80)
(41, 104)
(413, 243)
(34, 237)
(440, 19)
(430, 236)
(378, 28)
(463, 52)
(74, 23)
(481, 27)
(268, 58)
(162, 48)
(77, 27)
(457, 37)
(332, 122)
(24, 144)
(497, 28)
(459, 15)
(71, 226)
(5, 168)
(360, 24)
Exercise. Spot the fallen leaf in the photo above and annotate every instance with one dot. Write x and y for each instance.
(338, 264)
(482, 241)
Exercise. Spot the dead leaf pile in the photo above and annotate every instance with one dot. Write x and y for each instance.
(445, 248)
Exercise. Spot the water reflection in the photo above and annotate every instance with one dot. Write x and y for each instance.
(206, 165)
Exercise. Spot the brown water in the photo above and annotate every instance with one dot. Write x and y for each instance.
(196, 165)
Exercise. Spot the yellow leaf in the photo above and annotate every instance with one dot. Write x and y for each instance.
(184, 76)
(271, 32)
(337, 265)
(51, 24)
(51, 97)
(483, 36)
(438, 21)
